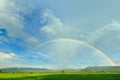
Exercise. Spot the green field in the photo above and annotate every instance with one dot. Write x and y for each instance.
(56, 76)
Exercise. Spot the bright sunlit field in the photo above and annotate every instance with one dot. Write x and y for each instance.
(57, 76)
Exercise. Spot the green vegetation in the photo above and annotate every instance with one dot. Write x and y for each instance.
(0, 71)
(56, 76)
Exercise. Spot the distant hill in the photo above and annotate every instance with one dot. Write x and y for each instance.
(26, 70)
(103, 69)
(88, 69)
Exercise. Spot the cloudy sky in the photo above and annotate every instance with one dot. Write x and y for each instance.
(59, 33)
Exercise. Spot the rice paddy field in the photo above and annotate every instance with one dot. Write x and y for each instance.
(58, 76)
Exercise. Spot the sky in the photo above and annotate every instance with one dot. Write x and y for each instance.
(59, 33)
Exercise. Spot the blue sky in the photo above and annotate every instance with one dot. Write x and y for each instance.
(44, 33)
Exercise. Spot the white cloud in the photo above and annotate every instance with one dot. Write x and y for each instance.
(32, 41)
(47, 30)
(2, 3)
(107, 30)
(42, 54)
(115, 25)
(13, 22)
(4, 56)
(54, 26)
(57, 29)
(9, 17)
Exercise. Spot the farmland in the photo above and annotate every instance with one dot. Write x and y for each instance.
(58, 76)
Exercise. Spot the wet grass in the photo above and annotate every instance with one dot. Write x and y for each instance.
(55, 76)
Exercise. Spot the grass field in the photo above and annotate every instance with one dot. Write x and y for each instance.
(56, 76)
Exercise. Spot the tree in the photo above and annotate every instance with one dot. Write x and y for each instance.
(63, 71)
(0, 71)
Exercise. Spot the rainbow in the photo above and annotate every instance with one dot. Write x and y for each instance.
(86, 44)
